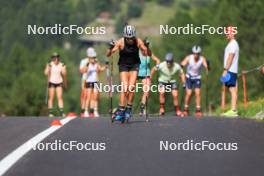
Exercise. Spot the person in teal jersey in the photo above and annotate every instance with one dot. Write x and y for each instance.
(144, 75)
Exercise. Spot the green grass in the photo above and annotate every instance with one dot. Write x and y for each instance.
(251, 110)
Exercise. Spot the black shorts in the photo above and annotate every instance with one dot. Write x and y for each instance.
(193, 83)
(52, 85)
(142, 77)
(90, 85)
(171, 86)
(128, 68)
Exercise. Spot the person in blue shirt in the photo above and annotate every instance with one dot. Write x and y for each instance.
(144, 75)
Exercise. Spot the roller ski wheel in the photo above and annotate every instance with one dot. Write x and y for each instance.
(118, 115)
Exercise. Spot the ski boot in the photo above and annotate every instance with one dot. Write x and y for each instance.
(128, 114)
(118, 115)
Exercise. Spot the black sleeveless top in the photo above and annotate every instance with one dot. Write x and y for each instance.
(129, 55)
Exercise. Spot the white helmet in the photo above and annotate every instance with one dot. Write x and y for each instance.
(196, 49)
(91, 52)
(129, 31)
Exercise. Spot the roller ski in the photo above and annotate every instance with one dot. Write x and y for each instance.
(118, 115)
(128, 114)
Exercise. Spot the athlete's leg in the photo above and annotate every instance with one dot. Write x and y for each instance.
(95, 102)
(233, 92)
(50, 101)
(176, 102)
(146, 87)
(88, 100)
(51, 97)
(59, 92)
(175, 97)
(132, 83)
(162, 99)
(187, 99)
(124, 82)
(198, 98)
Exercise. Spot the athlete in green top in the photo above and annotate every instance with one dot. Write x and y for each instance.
(168, 70)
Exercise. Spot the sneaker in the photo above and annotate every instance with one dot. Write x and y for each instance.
(86, 114)
(63, 115)
(230, 113)
(51, 115)
(96, 114)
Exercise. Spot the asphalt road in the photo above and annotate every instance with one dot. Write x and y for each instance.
(134, 149)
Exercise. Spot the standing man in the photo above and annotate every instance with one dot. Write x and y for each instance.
(231, 58)
(168, 71)
(194, 63)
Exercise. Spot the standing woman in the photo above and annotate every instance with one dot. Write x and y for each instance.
(144, 74)
(56, 73)
(128, 47)
(91, 69)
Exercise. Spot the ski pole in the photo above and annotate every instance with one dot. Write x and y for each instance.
(146, 60)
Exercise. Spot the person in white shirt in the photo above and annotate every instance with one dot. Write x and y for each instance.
(194, 62)
(231, 58)
(83, 95)
(56, 73)
(91, 68)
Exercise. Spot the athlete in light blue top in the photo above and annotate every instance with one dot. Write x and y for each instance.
(144, 74)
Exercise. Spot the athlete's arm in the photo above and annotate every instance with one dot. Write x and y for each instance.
(115, 48)
(263, 69)
(182, 75)
(228, 63)
(142, 46)
(47, 70)
(185, 61)
(64, 74)
(83, 69)
(155, 58)
(205, 65)
(101, 68)
(153, 70)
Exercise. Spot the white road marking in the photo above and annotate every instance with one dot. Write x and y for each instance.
(8, 161)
